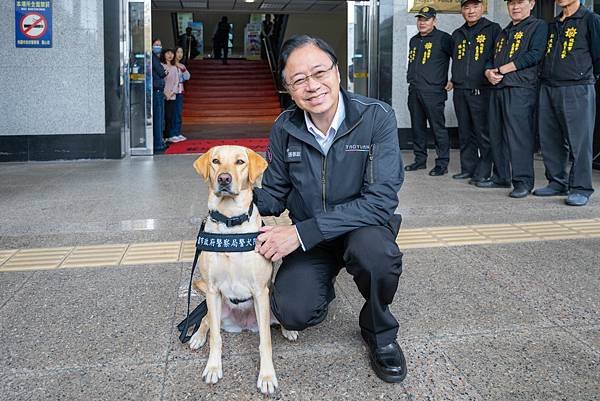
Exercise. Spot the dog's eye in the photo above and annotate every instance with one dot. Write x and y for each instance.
(239, 161)
(216, 161)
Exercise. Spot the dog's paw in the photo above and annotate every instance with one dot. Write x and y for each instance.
(212, 373)
(291, 335)
(197, 340)
(267, 382)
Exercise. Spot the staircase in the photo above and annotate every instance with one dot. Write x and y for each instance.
(237, 100)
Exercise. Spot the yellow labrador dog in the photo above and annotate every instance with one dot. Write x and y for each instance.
(236, 284)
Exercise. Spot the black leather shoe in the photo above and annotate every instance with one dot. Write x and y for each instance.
(475, 180)
(490, 183)
(548, 191)
(437, 170)
(519, 192)
(415, 166)
(461, 176)
(388, 362)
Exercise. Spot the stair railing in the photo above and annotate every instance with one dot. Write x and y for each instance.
(284, 97)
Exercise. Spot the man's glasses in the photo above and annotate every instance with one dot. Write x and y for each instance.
(302, 80)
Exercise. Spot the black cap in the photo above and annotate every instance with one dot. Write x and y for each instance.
(463, 2)
(426, 12)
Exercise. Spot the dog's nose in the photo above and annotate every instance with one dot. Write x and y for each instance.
(224, 179)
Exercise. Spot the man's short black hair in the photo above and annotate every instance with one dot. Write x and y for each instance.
(297, 41)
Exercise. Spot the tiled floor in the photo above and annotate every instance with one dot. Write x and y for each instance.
(498, 299)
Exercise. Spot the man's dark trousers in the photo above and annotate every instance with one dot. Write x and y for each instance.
(566, 121)
(429, 106)
(303, 286)
(512, 138)
(471, 106)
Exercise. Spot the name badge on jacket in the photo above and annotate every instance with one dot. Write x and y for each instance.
(293, 154)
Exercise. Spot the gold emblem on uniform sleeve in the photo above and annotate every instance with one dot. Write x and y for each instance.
(570, 34)
(412, 54)
(427, 52)
(461, 49)
(499, 45)
(550, 44)
(480, 39)
(514, 47)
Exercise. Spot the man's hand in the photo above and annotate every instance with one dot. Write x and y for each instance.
(449, 86)
(493, 77)
(276, 242)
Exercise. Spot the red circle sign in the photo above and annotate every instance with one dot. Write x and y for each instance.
(33, 25)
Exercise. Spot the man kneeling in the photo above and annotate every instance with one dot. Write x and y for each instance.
(335, 164)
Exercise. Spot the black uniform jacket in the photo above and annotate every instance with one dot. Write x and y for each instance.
(428, 60)
(473, 49)
(355, 185)
(524, 45)
(573, 50)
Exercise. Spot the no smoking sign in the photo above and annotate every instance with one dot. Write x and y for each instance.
(33, 23)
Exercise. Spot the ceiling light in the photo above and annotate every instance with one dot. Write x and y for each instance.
(249, 1)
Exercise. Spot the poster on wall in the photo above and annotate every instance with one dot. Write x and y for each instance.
(441, 6)
(183, 21)
(33, 23)
(198, 33)
(252, 41)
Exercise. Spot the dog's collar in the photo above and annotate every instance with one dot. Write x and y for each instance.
(218, 217)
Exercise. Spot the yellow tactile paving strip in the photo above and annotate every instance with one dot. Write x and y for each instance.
(183, 251)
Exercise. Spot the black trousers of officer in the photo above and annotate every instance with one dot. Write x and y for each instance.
(566, 121)
(471, 106)
(429, 106)
(303, 286)
(512, 137)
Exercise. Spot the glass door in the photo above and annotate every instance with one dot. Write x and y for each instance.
(358, 47)
(137, 76)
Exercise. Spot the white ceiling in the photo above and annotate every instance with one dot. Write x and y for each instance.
(258, 6)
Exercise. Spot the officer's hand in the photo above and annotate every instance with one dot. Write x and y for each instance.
(449, 86)
(276, 242)
(493, 77)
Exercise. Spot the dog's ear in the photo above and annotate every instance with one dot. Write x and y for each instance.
(202, 165)
(256, 165)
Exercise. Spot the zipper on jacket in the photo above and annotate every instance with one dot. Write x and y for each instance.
(324, 182)
(371, 173)
(324, 170)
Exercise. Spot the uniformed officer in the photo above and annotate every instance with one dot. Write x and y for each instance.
(513, 71)
(473, 45)
(428, 60)
(567, 102)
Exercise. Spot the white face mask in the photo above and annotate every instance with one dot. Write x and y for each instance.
(156, 49)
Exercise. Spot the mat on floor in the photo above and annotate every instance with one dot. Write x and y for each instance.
(202, 145)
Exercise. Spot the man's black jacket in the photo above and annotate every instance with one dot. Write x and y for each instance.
(473, 49)
(355, 185)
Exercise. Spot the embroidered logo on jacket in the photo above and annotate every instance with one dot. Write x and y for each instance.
(357, 148)
(570, 34)
(550, 44)
(514, 47)
(480, 39)
(427, 52)
(412, 54)
(461, 49)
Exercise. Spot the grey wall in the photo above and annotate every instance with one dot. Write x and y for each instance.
(333, 28)
(58, 90)
(446, 22)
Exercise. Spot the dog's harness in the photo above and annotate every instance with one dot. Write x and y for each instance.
(212, 242)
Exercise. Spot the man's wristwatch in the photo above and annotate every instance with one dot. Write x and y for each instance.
(498, 71)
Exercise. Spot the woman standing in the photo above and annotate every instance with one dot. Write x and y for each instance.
(171, 85)
(184, 75)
